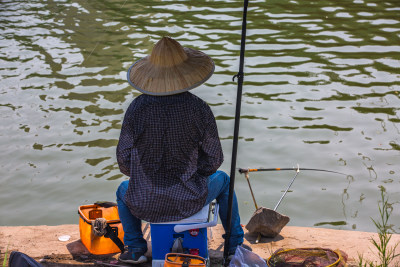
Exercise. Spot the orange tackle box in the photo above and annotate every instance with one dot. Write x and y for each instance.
(99, 245)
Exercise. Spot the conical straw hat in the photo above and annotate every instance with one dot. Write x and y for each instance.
(170, 69)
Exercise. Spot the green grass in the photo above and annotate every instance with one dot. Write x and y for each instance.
(387, 255)
(5, 258)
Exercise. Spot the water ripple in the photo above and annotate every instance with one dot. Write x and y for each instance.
(321, 86)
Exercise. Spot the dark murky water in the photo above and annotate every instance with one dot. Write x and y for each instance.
(322, 89)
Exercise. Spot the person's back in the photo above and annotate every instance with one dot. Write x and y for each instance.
(169, 145)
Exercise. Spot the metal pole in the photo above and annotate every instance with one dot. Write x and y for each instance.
(287, 189)
(235, 133)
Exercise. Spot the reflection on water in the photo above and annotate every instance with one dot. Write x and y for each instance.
(322, 85)
(331, 223)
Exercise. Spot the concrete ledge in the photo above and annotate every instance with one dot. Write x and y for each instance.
(41, 243)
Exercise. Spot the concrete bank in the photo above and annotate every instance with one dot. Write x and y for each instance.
(42, 243)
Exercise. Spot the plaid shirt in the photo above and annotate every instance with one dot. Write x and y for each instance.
(168, 146)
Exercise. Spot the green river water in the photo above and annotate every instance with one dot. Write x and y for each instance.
(321, 89)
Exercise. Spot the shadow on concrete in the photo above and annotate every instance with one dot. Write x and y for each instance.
(251, 238)
(77, 248)
(79, 256)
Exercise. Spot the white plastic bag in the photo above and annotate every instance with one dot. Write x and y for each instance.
(246, 258)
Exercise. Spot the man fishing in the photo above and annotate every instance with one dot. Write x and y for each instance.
(170, 148)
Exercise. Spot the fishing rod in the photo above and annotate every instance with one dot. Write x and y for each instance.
(243, 170)
(240, 76)
(296, 169)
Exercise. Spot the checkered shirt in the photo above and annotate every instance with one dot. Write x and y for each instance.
(168, 146)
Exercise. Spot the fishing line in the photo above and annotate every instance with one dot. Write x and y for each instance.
(103, 31)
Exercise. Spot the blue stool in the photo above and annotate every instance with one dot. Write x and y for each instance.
(187, 236)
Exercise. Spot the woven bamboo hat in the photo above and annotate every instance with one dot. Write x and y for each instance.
(170, 69)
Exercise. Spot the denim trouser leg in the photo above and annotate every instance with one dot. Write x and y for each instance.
(133, 237)
(218, 188)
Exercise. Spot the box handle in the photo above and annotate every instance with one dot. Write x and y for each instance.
(184, 227)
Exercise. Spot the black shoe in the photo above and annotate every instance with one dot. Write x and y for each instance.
(132, 257)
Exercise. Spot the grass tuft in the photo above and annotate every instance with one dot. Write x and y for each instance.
(386, 254)
(5, 258)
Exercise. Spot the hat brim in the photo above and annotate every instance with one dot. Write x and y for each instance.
(162, 81)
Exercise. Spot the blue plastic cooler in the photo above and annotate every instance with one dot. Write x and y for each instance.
(191, 233)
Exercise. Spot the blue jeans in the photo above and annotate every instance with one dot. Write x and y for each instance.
(218, 188)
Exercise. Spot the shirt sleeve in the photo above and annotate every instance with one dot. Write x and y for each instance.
(210, 154)
(125, 143)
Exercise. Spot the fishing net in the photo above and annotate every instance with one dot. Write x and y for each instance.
(307, 257)
(267, 222)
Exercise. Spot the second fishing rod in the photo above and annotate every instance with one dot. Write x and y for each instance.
(296, 169)
(244, 170)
